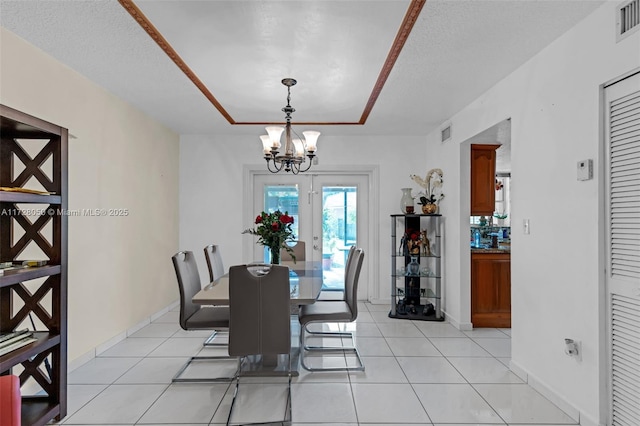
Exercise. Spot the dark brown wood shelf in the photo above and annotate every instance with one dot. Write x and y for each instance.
(16, 276)
(45, 341)
(44, 360)
(36, 410)
(22, 197)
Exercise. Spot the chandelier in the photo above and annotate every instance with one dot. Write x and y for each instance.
(296, 150)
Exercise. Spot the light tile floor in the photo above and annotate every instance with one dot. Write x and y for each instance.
(417, 372)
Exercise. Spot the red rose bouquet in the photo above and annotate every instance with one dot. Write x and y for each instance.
(274, 230)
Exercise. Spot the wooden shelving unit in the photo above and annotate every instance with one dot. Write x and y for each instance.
(35, 292)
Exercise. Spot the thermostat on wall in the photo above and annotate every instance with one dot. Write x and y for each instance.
(585, 169)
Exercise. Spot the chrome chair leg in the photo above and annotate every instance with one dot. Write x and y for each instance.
(210, 340)
(178, 379)
(345, 350)
(288, 409)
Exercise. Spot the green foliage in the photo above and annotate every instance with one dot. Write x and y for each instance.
(274, 230)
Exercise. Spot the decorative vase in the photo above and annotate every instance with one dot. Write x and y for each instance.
(406, 202)
(413, 268)
(275, 255)
(429, 208)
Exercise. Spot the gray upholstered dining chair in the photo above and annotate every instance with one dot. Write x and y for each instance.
(299, 251)
(260, 323)
(334, 311)
(216, 270)
(196, 317)
(214, 262)
(338, 295)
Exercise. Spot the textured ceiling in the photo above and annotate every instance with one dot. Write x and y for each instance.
(241, 50)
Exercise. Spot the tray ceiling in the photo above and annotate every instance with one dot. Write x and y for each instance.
(339, 51)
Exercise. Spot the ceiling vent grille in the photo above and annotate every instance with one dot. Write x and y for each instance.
(628, 19)
(445, 132)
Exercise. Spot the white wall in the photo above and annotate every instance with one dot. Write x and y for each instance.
(554, 103)
(120, 271)
(211, 179)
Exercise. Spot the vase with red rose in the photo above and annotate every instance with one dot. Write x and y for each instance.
(274, 230)
(275, 254)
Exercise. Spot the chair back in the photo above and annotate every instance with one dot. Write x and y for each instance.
(186, 268)
(299, 251)
(352, 250)
(259, 311)
(214, 262)
(351, 282)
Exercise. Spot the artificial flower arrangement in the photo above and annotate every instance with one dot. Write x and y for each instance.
(274, 230)
(432, 185)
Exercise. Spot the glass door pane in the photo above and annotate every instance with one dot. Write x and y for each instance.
(340, 220)
(288, 194)
(339, 232)
(283, 198)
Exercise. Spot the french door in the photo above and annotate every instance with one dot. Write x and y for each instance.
(330, 212)
(622, 119)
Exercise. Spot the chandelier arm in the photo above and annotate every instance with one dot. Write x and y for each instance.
(297, 135)
(277, 169)
(309, 166)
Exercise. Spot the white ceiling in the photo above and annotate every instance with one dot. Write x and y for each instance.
(240, 50)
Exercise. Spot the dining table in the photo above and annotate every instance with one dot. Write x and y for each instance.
(305, 280)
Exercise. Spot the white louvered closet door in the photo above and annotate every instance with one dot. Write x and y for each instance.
(623, 251)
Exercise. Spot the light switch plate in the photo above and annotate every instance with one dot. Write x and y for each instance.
(526, 228)
(585, 169)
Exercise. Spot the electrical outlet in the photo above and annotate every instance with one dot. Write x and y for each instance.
(526, 228)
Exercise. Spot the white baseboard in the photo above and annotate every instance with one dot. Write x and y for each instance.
(379, 301)
(81, 360)
(515, 369)
(464, 326)
(589, 421)
(145, 322)
(164, 311)
(550, 394)
(97, 350)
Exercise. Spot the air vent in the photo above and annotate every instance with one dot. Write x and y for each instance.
(445, 132)
(628, 20)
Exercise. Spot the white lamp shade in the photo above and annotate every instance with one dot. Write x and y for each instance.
(274, 134)
(311, 139)
(299, 147)
(266, 143)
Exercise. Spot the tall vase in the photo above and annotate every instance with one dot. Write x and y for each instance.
(406, 202)
(275, 255)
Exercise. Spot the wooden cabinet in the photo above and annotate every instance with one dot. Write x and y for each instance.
(483, 176)
(491, 289)
(33, 155)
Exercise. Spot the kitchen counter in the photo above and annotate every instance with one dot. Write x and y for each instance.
(500, 249)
